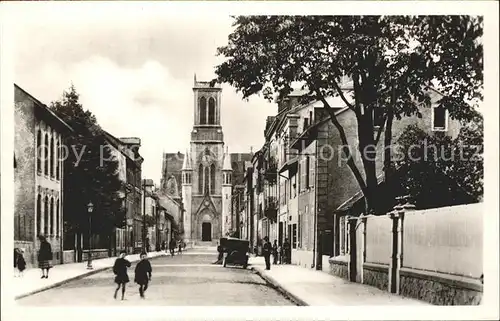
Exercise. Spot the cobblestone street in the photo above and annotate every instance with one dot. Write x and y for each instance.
(186, 279)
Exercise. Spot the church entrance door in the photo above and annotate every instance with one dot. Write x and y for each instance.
(206, 231)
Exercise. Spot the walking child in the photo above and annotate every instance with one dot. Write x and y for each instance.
(19, 262)
(120, 270)
(143, 274)
(179, 251)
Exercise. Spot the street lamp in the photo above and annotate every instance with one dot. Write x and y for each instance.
(90, 208)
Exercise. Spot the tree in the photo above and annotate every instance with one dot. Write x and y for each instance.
(391, 61)
(89, 173)
(441, 171)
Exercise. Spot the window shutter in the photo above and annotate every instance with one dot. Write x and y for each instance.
(312, 166)
(307, 169)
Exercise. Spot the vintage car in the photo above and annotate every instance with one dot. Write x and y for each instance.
(235, 251)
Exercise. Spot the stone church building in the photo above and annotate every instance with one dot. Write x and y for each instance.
(203, 178)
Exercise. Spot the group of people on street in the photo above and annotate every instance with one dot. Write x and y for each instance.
(142, 277)
(44, 257)
(281, 254)
(179, 245)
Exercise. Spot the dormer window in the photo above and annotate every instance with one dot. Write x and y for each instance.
(439, 119)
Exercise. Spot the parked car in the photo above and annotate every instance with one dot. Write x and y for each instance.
(235, 251)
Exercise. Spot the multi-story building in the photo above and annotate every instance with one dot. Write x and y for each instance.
(133, 192)
(38, 176)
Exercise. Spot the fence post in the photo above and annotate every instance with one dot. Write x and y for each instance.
(352, 248)
(363, 240)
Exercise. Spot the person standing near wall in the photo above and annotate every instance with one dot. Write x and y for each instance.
(44, 256)
(266, 252)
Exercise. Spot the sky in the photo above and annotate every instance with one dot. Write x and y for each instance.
(134, 70)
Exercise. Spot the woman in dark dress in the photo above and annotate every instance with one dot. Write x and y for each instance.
(120, 270)
(143, 274)
(44, 256)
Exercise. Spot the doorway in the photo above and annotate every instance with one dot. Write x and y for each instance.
(206, 231)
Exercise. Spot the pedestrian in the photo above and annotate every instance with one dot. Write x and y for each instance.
(286, 252)
(44, 256)
(280, 254)
(143, 272)
(171, 246)
(19, 262)
(180, 248)
(266, 252)
(275, 252)
(120, 270)
(163, 245)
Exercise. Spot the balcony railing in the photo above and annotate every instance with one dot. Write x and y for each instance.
(271, 207)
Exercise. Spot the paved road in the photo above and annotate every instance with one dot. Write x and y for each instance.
(187, 279)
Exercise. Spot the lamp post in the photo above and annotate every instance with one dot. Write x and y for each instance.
(90, 208)
(144, 216)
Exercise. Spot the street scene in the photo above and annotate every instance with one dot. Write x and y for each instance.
(248, 160)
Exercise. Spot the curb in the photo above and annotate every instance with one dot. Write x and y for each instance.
(274, 284)
(74, 278)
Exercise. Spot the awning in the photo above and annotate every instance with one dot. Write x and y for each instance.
(289, 168)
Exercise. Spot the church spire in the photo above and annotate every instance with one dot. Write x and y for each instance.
(227, 161)
(195, 78)
(186, 164)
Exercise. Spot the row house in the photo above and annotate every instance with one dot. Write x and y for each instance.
(133, 193)
(301, 168)
(38, 176)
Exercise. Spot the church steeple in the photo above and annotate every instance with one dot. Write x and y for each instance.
(186, 164)
(227, 161)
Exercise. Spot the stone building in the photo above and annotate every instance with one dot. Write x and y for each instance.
(314, 188)
(38, 176)
(203, 177)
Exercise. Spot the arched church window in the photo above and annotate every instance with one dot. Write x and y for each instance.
(39, 151)
(212, 179)
(45, 154)
(200, 179)
(203, 111)
(211, 111)
(206, 180)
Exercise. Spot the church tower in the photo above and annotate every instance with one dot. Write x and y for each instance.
(207, 149)
(187, 175)
(226, 194)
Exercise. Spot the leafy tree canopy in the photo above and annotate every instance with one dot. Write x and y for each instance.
(440, 171)
(90, 173)
(391, 61)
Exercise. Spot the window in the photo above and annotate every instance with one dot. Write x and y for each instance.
(58, 218)
(51, 216)
(39, 151)
(306, 123)
(312, 165)
(299, 231)
(311, 121)
(203, 111)
(200, 179)
(212, 179)
(46, 216)
(207, 177)
(39, 215)
(52, 158)
(211, 111)
(46, 154)
(439, 119)
(58, 161)
(307, 166)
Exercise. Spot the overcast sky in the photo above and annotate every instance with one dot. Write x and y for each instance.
(134, 71)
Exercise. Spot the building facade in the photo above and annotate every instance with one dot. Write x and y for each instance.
(203, 177)
(38, 176)
(301, 165)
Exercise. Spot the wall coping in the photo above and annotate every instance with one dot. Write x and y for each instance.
(339, 260)
(449, 279)
(376, 267)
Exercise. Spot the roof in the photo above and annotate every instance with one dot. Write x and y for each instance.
(356, 197)
(226, 166)
(186, 164)
(46, 110)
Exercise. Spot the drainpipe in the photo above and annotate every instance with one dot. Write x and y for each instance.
(315, 209)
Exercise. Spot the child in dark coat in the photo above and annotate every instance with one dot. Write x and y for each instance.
(143, 274)
(19, 262)
(120, 270)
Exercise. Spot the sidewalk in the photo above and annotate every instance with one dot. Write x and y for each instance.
(309, 287)
(31, 282)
